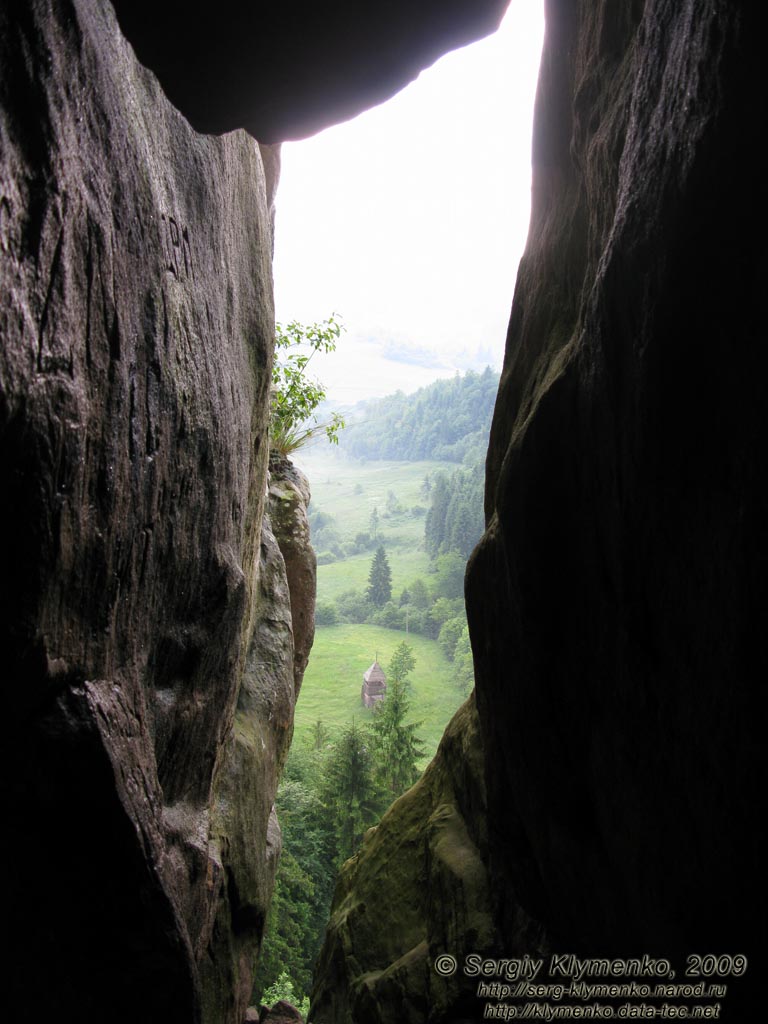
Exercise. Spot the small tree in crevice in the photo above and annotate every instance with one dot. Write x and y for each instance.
(295, 395)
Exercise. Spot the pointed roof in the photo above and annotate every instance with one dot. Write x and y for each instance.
(375, 674)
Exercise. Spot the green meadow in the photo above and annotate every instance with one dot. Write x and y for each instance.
(349, 490)
(333, 680)
(352, 573)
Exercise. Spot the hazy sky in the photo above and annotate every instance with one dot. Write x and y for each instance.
(411, 219)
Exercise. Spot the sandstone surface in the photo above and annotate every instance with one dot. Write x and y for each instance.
(617, 598)
(610, 786)
(615, 601)
(146, 628)
(289, 498)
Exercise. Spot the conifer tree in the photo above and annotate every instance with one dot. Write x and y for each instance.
(319, 735)
(396, 745)
(434, 526)
(379, 579)
(402, 663)
(352, 792)
(374, 523)
(463, 667)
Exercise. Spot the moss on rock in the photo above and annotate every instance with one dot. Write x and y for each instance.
(417, 888)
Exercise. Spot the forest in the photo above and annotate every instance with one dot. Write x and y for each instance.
(448, 421)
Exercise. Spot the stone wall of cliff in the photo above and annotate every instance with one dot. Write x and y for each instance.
(148, 656)
(617, 599)
(284, 71)
(155, 624)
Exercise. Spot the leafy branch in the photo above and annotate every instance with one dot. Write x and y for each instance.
(295, 395)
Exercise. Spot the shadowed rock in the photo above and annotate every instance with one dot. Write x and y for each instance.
(143, 733)
(615, 601)
(282, 1013)
(417, 889)
(288, 504)
(284, 71)
(617, 598)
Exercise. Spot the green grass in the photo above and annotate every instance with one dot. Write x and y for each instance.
(334, 479)
(349, 490)
(334, 678)
(352, 573)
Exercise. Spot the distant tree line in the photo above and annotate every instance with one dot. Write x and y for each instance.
(454, 520)
(446, 421)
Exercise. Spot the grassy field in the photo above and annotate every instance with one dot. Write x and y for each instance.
(352, 573)
(349, 491)
(334, 677)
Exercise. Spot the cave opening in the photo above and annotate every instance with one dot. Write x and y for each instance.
(407, 224)
(600, 799)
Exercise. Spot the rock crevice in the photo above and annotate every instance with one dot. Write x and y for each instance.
(154, 634)
(615, 597)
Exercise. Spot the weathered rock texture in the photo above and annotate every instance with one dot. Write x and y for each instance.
(617, 601)
(282, 1013)
(417, 888)
(255, 749)
(145, 621)
(285, 70)
(147, 618)
(288, 504)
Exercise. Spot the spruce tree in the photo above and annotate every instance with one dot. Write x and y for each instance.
(379, 579)
(434, 526)
(352, 792)
(396, 745)
(463, 667)
(402, 663)
(319, 735)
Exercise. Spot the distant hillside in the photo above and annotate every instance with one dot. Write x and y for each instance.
(448, 420)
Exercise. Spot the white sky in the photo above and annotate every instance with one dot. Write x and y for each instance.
(410, 220)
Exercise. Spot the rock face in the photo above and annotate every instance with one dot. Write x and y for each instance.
(284, 71)
(282, 1013)
(153, 633)
(418, 887)
(288, 504)
(146, 627)
(615, 601)
(617, 597)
